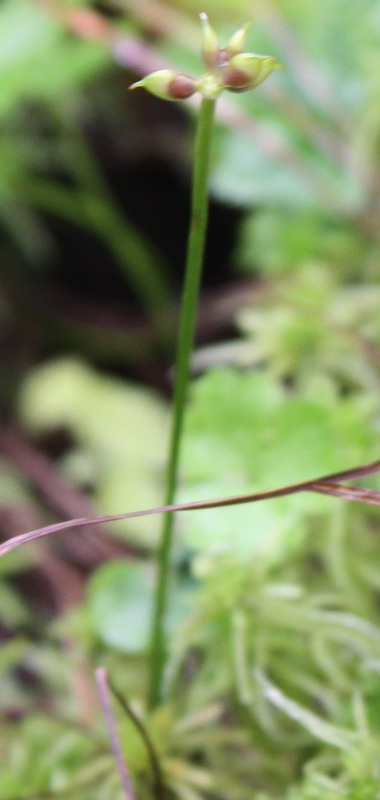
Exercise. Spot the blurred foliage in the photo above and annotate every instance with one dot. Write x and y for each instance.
(261, 437)
(120, 434)
(273, 687)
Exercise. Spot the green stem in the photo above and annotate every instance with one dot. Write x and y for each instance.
(194, 262)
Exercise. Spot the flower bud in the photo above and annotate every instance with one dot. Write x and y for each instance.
(210, 44)
(248, 70)
(167, 84)
(237, 41)
(210, 85)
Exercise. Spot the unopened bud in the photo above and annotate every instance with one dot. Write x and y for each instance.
(210, 85)
(210, 44)
(248, 70)
(227, 68)
(167, 84)
(237, 42)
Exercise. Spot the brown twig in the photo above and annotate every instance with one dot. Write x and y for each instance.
(60, 496)
(320, 485)
(368, 496)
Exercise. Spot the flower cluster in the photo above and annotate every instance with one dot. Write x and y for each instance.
(227, 68)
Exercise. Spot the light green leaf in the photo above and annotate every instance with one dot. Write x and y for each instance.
(120, 431)
(244, 434)
(37, 61)
(120, 598)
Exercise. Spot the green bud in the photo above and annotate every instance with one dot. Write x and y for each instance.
(210, 44)
(167, 84)
(210, 85)
(237, 41)
(227, 68)
(248, 70)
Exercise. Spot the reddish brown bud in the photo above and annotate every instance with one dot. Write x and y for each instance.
(168, 85)
(181, 87)
(248, 70)
(236, 80)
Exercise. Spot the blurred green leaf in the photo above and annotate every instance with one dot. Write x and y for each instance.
(244, 433)
(119, 603)
(275, 241)
(120, 598)
(119, 429)
(42, 755)
(37, 60)
(244, 176)
(310, 329)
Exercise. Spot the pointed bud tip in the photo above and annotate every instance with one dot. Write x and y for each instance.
(210, 44)
(237, 41)
(276, 64)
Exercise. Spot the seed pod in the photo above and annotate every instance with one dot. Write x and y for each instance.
(248, 70)
(167, 84)
(226, 68)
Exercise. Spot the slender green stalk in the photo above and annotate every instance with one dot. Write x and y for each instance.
(158, 781)
(194, 262)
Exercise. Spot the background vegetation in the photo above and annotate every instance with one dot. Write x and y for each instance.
(273, 676)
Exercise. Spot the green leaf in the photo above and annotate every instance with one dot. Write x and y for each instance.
(244, 433)
(37, 61)
(120, 598)
(120, 601)
(243, 175)
(278, 240)
(120, 432)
